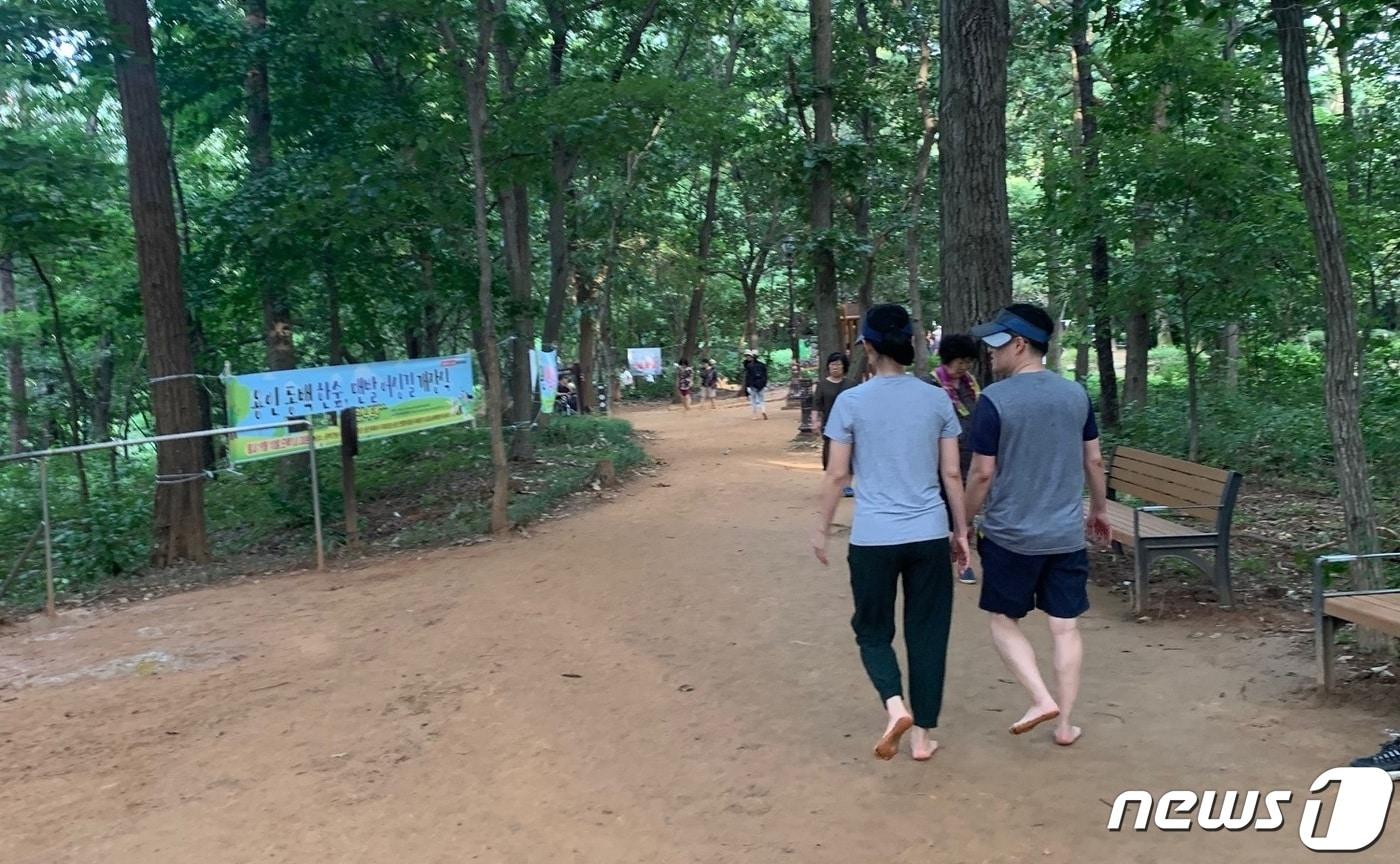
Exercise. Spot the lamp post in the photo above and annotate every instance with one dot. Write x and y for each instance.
(789, 248)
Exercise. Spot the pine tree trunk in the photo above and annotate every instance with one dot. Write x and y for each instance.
(77, 398)
(1141, 302)
(1342, 371)
(277, 319)
(1098, 247)
(584, 296)
(975, 237)
(14, 360)
(702, 261)
(913, 235)
(179, 500)
(515, 228)
(349, 439)
(822, 193)
(474, 84)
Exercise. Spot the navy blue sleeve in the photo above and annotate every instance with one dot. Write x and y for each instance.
(986, 428)
(1091, 426)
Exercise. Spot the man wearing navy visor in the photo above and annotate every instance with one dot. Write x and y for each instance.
(1035, 444)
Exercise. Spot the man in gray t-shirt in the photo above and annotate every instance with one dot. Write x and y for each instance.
(1034, 444)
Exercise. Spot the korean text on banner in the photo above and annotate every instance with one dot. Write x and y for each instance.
(390, 398)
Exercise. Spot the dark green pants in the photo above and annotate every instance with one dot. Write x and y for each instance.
(928, 613)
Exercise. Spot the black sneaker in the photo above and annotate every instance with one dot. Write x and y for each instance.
(1388, 760)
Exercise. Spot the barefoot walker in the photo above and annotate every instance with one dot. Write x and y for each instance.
(899, 434)
(1034, 442)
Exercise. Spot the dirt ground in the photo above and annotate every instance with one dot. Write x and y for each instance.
(666, 677)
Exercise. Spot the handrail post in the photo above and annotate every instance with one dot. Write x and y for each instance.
(315, 497)
(49, 607)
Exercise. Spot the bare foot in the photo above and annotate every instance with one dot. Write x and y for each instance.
(1065, 736)
(1036, 715)
(922, 747)
(889, 744)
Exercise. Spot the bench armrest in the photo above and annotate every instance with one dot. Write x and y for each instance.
(1319, 590)
(1162, 508)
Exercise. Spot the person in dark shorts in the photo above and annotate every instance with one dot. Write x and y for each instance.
(709, 383)
(1034, 445)
(958, 352)
(899, 436)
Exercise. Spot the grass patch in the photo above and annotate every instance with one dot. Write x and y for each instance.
(415, 490)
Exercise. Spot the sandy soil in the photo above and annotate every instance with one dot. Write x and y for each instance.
(666, 677)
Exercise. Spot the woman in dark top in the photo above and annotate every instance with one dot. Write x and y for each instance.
(828, 389)
(958, 352)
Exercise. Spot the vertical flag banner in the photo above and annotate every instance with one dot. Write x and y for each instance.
(549, 380)
(390, 398)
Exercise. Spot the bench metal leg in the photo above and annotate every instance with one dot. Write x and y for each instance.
(1326, 644)
(1222, 576)
(1140, 566)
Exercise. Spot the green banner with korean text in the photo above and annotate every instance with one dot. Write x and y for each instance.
(391, 398)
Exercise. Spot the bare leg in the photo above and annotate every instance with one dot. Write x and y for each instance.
(1069, 661)
(1019, 657)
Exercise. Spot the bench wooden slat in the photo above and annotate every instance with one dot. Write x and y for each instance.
(1203, 488)
(1158, 496)
(1163, 489)
(1376, 612)
(1120, 518)
(1180, 465)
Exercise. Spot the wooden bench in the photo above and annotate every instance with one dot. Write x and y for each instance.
(1377, 610)
(1174, 486)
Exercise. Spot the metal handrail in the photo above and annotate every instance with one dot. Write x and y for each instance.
(43, 457)
(1319, 591)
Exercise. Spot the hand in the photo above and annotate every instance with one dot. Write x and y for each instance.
(1097, 527)
(962, 556)
(819, 537)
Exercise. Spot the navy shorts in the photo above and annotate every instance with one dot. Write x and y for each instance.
(1014, 584)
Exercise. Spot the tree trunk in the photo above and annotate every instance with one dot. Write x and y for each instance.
(1342, 373)
(1193, 413)
(702, 261)
(584, 295)
(1141, 302)
(913, 235)
(349, 439)
(277, 319)
(1098, 248)
(14, 360)
(474, 85)
(975, 228)
(515, 226)
(822, 194)
(76, 397)
(179, 499)
(1232, 357)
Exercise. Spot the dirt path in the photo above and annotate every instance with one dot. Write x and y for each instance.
(667, 677)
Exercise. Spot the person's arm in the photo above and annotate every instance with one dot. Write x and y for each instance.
(986, 440)
(841, 432)
(951, 473)
(836, 478)
(1096, 524)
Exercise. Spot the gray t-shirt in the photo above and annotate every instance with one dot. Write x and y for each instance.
(894, 424)
(1035, 424)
